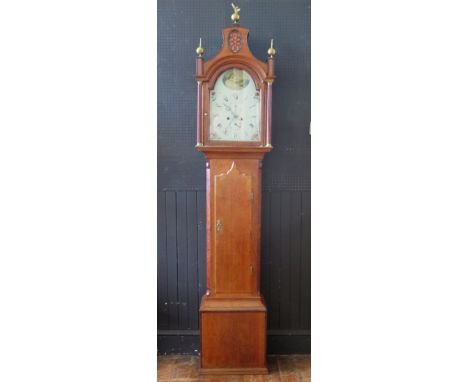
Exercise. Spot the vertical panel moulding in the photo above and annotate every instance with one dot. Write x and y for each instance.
(192, 259)
(285, 311)
(182, 264)
(171, 246)
(275, 243)
(265, 247)
(163, 322)
(306, 207)
(295, 268)
(305, 260)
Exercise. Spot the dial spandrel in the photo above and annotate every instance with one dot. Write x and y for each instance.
(235, 108)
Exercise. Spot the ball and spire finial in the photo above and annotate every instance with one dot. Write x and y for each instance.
(271, 51)
(200, 49)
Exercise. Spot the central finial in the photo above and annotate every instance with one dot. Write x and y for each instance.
(235, 16)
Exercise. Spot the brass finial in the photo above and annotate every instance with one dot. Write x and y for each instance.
(235, 16)
(271, 51)
(200, 49)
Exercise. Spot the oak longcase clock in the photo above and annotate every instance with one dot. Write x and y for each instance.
(234, 133)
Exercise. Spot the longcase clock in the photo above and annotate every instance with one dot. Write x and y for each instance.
(234, 133)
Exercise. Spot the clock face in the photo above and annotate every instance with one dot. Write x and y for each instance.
(235, 108)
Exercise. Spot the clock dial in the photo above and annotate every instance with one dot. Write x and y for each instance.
(235, 108)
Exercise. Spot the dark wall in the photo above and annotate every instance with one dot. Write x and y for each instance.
(285, 274)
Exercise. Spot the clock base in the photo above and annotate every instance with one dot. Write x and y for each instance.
(233, 336)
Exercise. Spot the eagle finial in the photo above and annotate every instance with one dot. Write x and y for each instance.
(235, 16)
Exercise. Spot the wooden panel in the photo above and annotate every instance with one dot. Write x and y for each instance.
(284, 273)
(234, 230)
(265, 247)
(275, 244)
(182, 263)
(305, 261)
(171, 247)
(243, 343)
(163, 321)
(192, 260)
(295, 264)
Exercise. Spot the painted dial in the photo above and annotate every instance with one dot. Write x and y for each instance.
(235, 108)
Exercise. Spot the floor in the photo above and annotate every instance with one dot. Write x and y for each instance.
(282, 368)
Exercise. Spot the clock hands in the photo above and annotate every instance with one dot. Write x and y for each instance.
(228, 108)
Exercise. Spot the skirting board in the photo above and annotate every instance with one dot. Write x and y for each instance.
(247, 370)
(278, 342)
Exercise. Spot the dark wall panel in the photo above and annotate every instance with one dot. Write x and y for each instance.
(285, 246)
